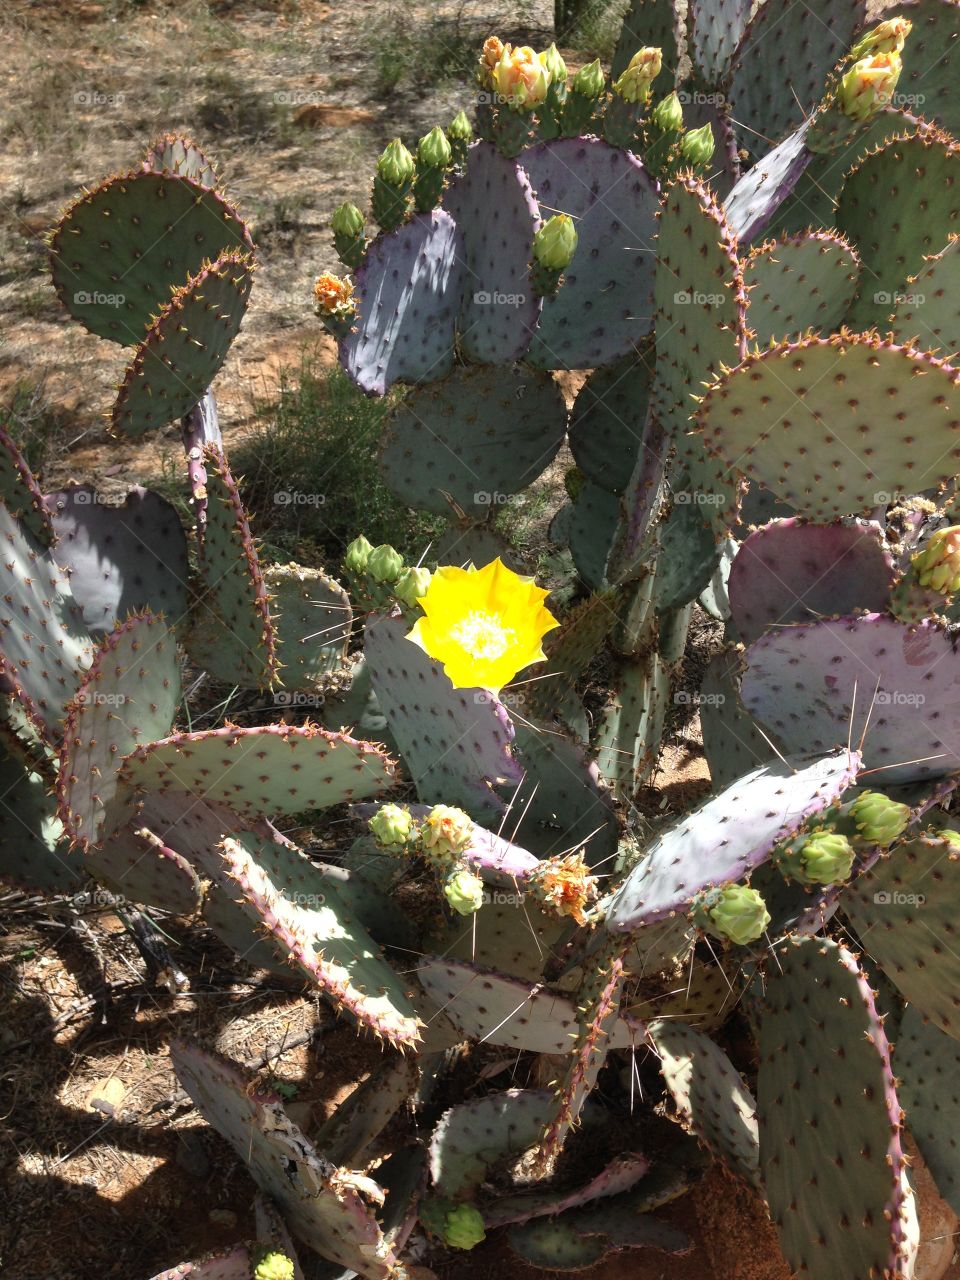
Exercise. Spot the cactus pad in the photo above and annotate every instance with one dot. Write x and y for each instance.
(135, 858)
(828, 1112)
(620, 1176)
(318, 934)
(897, 206)
(842, 411)
(716, 27)
(44, 646)
(607, 424)
(185, 346)
(129, 695)
(120, 558)
(318, 1201)
(732, 742)
(33, 853)
(822, 683)
(709, 1094)
(478, 1136)
(928, 84)
(928, 313)
(577, 1240)
(757, 199)
(905, 911)
(119, 251)
(408, 292)
(270, 769)
(927, 1065)
(753, 814)
(791, 572)
(778, 73)
(798, 283)
(478, 435)
(312, 619)
(234, 1263)
(455, 742)
(654, 23)
(589, 525)
(233, 635)
(20, 493)
(497, 215)
(604, 306)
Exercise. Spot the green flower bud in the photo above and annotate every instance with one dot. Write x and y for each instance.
(590, 80)
(463, 1227)
(460, 127)
(357, 555)
(889, 37)
(434, 149)
(644, 67)
(878, 819)
(554, 65)
(952, 837)
(825, 857)
(556, 242)
(274, 1266)
(464, 891)
(412, 585)
(868, 86)
(697, 146)
(347, 221)
(446, 832)
(938, 564)
(735, 912)
(396, 165)
(667, 115)
(385, 564)
(392, 826)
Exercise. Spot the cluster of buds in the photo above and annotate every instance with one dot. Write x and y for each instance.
(868, 86)
(441, 841)
(937, 566)
(878, 820)
(336, 305)
(634, 84)
(274, 1265)
(564, 886)
(459, 1226)
(823, 857)
(735, 913)
(380, 576)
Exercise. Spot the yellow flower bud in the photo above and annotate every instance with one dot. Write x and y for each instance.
(520, 78)
(869, 84)
(642, 70)
(938, 564)
(888, 37)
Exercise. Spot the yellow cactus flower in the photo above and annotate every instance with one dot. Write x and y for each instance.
(334, 295)
(565, 886)
(520, 77)
(483, 625)
(869, 84)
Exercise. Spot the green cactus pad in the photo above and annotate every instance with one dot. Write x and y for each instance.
(898, 207)
(843, 414)
(603, 307)
(609, 414)
(798, 283)
(173, 154)
(129, 695)
(620, 1176)
(119, 251)
(779, 71)
(233, 1263)
(455, 742)
(732, 742)
(185, 346)
(590, 526)
(562, 803)
(905, 910)
(312, 618)
(233, 634)
(689, 551)
(319, 1202)
(788, 571)
(627, 740)
(495, 1009)
(477, 1137)
(570, 650)
(318, 934)
(408, 295)
(927, 313)
(479, 435)
(709, 1094)
(828, 1115)
(20, 493)
(135, 858)
(709, 995)
(497, 215)
(928, 85)
(359, 1120)
(34, 856)
(716, 28)
(760, 197)
(268, 770)
(120, 559)
(927, 1066)
(755, 813)
(577, 1240)
(44, 646)
(509, 933)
